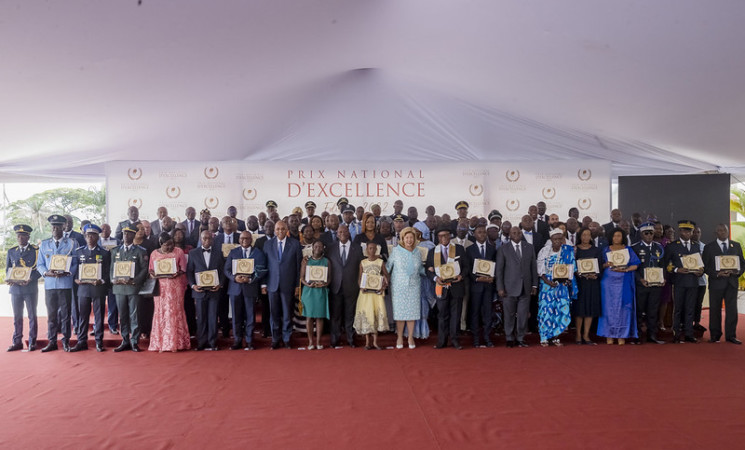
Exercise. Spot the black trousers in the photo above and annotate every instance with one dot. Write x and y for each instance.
(145, 311)
(449, 318)
(647, 304)
(243, 317)
(729, 295)
(533, 319)
(223, 312)
(191, 313)
(341, 309)
(29, 300)
(699, 304)
(113, 313)
(58, 314)
(684, 305)
(84, 318)
(207, 319)
(266, 317)
(480, 313)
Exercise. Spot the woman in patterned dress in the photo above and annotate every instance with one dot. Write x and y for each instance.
(370, 316)
(555, 296)
(405, 267)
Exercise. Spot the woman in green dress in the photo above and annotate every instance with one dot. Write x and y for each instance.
(315, 295)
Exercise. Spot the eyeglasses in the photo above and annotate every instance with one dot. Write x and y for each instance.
(647, 232)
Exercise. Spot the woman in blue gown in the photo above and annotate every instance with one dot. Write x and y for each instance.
(618, 293)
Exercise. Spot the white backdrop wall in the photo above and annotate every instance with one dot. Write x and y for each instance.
(247, 185)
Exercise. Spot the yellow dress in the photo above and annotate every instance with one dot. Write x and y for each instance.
(370, 315)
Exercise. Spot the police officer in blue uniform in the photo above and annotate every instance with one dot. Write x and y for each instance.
(651, 254)
(57, 283)
(23, 292)
(685, 282)
(91, 292)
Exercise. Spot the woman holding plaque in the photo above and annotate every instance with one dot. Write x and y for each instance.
(618, 291)
(587, 306)
(557, 288)
(180, 241)
(315, 295)
(370, 316)
(170, 333)
(405, 267)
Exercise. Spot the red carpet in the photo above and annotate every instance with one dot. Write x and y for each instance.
(670, 396)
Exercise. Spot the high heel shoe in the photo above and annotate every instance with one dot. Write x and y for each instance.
(412, 345)
(609, 341)
(399, 346)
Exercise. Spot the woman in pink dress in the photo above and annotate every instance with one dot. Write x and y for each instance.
(170, 332)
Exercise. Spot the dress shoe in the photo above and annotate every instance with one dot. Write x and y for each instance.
(123, 346)
(334, 344)
(236, 346)
(99, 347)
(288, 346)
(692, 340)
(213, 349)
(457, 346)
(476, 344)
(199, 348)
(714, 341)
(32, 347)
(135, 347)
(489, 344)
(275, 345)
(80, 346)
(510, 344)
(113, 331)
(734, 341)
(52, 346)
(15, 347)
(249, 347)
(655, 340)
(522, 344)
(439, 346)
(66, 346)
(352, 344)
(699, 327)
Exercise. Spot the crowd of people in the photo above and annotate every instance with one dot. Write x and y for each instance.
(365, 274)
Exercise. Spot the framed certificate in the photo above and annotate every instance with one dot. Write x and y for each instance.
(587, 265)
(423, 252)
(89, 272)
(371, 282)
(19, 274)
(618, 258)
(727, 262)
(484, 267)
(307, 251)
(124, 270)
(165, 267)
(243, 266)
(692, 261)
(60, 263)
(226, 248)
(208, 278)
(316, 273)
(654, 276)
(562, 272)
(448, 271)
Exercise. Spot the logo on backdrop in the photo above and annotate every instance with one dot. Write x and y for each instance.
(173, 191)
(512, 205)
(250, 194)
(584, 174)
(512, 175)
(134, 173)
(211, 202)
(476, 189)
(136, 202)
(548, 193)
(211, 172)
(584, 203)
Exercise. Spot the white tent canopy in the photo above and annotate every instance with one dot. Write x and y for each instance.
(655, 87)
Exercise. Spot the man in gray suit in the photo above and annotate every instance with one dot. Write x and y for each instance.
(517, 280)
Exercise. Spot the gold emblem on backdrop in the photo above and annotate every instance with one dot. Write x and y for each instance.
(211, 172)
(584, 174)
(512, 175)
(250, 194)
(584, 203)
(476, 189)
(136, 202)
(173, 191)
(211, 202)
(548, 193)
(134, 173)
(512, 205)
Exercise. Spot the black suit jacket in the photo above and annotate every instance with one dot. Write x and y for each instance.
(543, 230)
(473, 253)
(220, 239)
(456, 289)
(345, 277)
(261, 241)
(193, 238)
(538, 242)
(608, 229)
(196, 264)
(241, 226)
(711, 251)
(673, 253)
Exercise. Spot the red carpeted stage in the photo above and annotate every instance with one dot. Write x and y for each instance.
(650, 396)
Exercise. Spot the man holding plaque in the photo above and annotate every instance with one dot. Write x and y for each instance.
(685, 280)
(245, 268)
(224, 242)
(129, 268)
(56, 264)
(649, 281)
(92, 278)
(24, 288)
(724, 264)
(283, 260)
(482, 256)
(205, 274)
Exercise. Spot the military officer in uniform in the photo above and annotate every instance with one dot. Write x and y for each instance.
(271, 207)
(651, 254)
(23, 292)
(127, 288)
(57, 282)
(462, 210)
(310, 209)
(91, 292)
(685, 282)
(134, 218)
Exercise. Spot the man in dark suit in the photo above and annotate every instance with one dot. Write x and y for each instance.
(539, 226)
(723, 285)
(240, 225)
(615, 222)
(150, 241)
(23, 292)
(92, 291)
(541, 212)
(283, 256)
(266, 320)
(228, 237)
(344, 288)
(651, 254)
(535, 239)
(192, 227)
(598, 235)
(329, 236)
(244, 290)
(517, 281)
(449, 292)
(133, 215)
(70, 233)
(205, 258)
(685, 282)
(127, 288)
(482, 287)
(157, 225)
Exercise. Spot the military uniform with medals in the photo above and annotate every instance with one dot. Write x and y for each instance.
(24, 294)
(648, 297)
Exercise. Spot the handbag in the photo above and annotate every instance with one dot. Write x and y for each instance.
(150, 288)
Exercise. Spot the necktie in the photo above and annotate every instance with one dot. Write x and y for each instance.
(191, 226)
(230, 239)
(244, 253)
(688, 246)
(483, 253)
(518, 251)
(571, 237)
(280, 250)
(444, 254)
(56, 244)
(344, 254)
(333, 236)
(724, 247)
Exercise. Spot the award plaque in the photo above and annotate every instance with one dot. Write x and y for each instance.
(423, 252)
(727, 262)
(449, 271)
(364, 249)
(243, 266)
(165, 267)
(124, 270)
(371, 282)
(19, 274)
(587, 265)
(226, 248)
(208, 278)
(316, 273)
(562, 272)
(89, 272)
(484, 267)
(654, 276)
(307, 251)
(60, 263)
(618, 258)
(692, 261)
